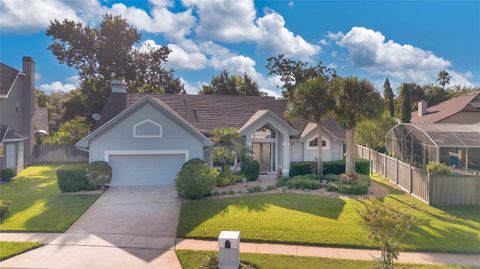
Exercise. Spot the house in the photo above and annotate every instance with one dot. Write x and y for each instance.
(147, 138)
(464, 109)
(448, 132)
(19, 119)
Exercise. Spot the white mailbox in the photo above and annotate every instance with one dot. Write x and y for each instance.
(229, 248)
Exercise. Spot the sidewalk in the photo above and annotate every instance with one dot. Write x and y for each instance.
(295, 250)
(335, 253)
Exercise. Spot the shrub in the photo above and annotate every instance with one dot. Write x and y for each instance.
(350, 178)
(254, 189)
(282, 181)
(4, 207)
(307, 176)
(360, 186)
(195, 180)
(270, 187)
(303, 183)
(193, 161)
(333, 167)
(99, 174)
(331, 177)
(227, 177)
(73, 180)
(251, 169)
(7, 174)
(301, 168)
(438, 168)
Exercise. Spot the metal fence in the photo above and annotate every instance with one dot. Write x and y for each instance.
(47, 153)
(454, 189)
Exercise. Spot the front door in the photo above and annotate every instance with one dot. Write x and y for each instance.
(262, 152)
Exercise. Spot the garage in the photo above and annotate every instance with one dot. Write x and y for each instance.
(145, 169)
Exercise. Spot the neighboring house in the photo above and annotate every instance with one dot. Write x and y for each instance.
(464, 109)
(19, 119)
(448, 132)
(147, 138)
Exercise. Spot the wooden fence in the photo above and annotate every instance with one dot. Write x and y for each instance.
(433, 189)
(47, 153)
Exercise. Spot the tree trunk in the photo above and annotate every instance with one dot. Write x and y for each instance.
(351, 154)
(320, 152)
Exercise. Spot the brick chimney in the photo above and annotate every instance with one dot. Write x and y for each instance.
(29, 105)
(422, 108)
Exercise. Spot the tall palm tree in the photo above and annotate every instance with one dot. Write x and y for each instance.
(444, 78)
(311, 100)
(355, 100)
(228, 145)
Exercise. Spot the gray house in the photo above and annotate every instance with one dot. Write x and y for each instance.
(147, 138)
(19, 119)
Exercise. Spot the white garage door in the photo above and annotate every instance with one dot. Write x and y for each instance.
(145, 170)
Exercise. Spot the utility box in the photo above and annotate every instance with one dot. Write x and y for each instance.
(229, 250)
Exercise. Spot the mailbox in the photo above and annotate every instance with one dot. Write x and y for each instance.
(229, 249)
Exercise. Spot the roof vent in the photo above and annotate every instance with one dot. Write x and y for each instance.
(119, 85)
(196, 116)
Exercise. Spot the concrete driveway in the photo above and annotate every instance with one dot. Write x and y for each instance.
(127, 227)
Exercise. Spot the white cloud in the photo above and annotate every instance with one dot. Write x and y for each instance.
(57, 86)
(335, 36)
(236, 21)
(463, 79)
(192, 88)
(159, 20)
(271, 93)
(181, 59)
(28, 15)
(291, 4)
(369, 51)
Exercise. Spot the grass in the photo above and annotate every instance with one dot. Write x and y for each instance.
(37, 203)
(190, 259)
(10, 249)
(316, 220)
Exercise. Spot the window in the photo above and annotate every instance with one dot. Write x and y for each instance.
(17, 107)
(264, 133)
(10, 150)
(314, 143)
(147, 129)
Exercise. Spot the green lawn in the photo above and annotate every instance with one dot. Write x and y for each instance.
(308, 219)
(194, 259)
(10, 249)
(38, 205)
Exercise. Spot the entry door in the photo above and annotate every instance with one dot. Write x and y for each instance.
(263, 154)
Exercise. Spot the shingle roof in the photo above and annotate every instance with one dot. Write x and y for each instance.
(468, 102)
(3, 132)
(206, 112)
(7, 77)
(40, 118)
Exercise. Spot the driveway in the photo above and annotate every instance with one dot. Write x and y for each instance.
(127, 227)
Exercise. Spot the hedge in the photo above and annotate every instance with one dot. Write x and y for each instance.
(360, 187)
(196, 180)
(251, 169)
(333, 167)
(7, 174)
(72, 180)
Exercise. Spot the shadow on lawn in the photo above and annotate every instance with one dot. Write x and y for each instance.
(200, 211)
(35, 194)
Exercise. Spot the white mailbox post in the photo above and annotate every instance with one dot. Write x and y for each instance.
(229, 248)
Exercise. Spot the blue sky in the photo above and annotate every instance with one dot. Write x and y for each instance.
(408, 41)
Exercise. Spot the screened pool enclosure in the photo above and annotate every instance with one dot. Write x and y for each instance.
(457, 145)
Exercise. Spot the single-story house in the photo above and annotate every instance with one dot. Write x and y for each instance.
(147, 137)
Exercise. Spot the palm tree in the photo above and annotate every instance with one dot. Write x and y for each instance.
(312, 100)
(229, 146)
(443, 78)
(355, 100)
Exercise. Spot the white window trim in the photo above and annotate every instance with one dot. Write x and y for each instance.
(313, 138)
(107, 153)
(135, 135)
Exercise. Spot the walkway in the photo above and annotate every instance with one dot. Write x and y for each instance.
(334, 253)
(151, 253)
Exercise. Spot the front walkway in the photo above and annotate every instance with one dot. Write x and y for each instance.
(156, 257)
(131, 227)
(334, 253)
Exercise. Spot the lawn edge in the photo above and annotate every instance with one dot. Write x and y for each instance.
(23, 251)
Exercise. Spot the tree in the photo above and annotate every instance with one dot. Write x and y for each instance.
(434, 94)
(405, 104)
(355, 100)
(386, 227)
(70, 132)
(312, 100)
(293, 72)
(108, 52)
(388, 96)
(371, 132)
(228, 146)
(226, 84)
(443, 78)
